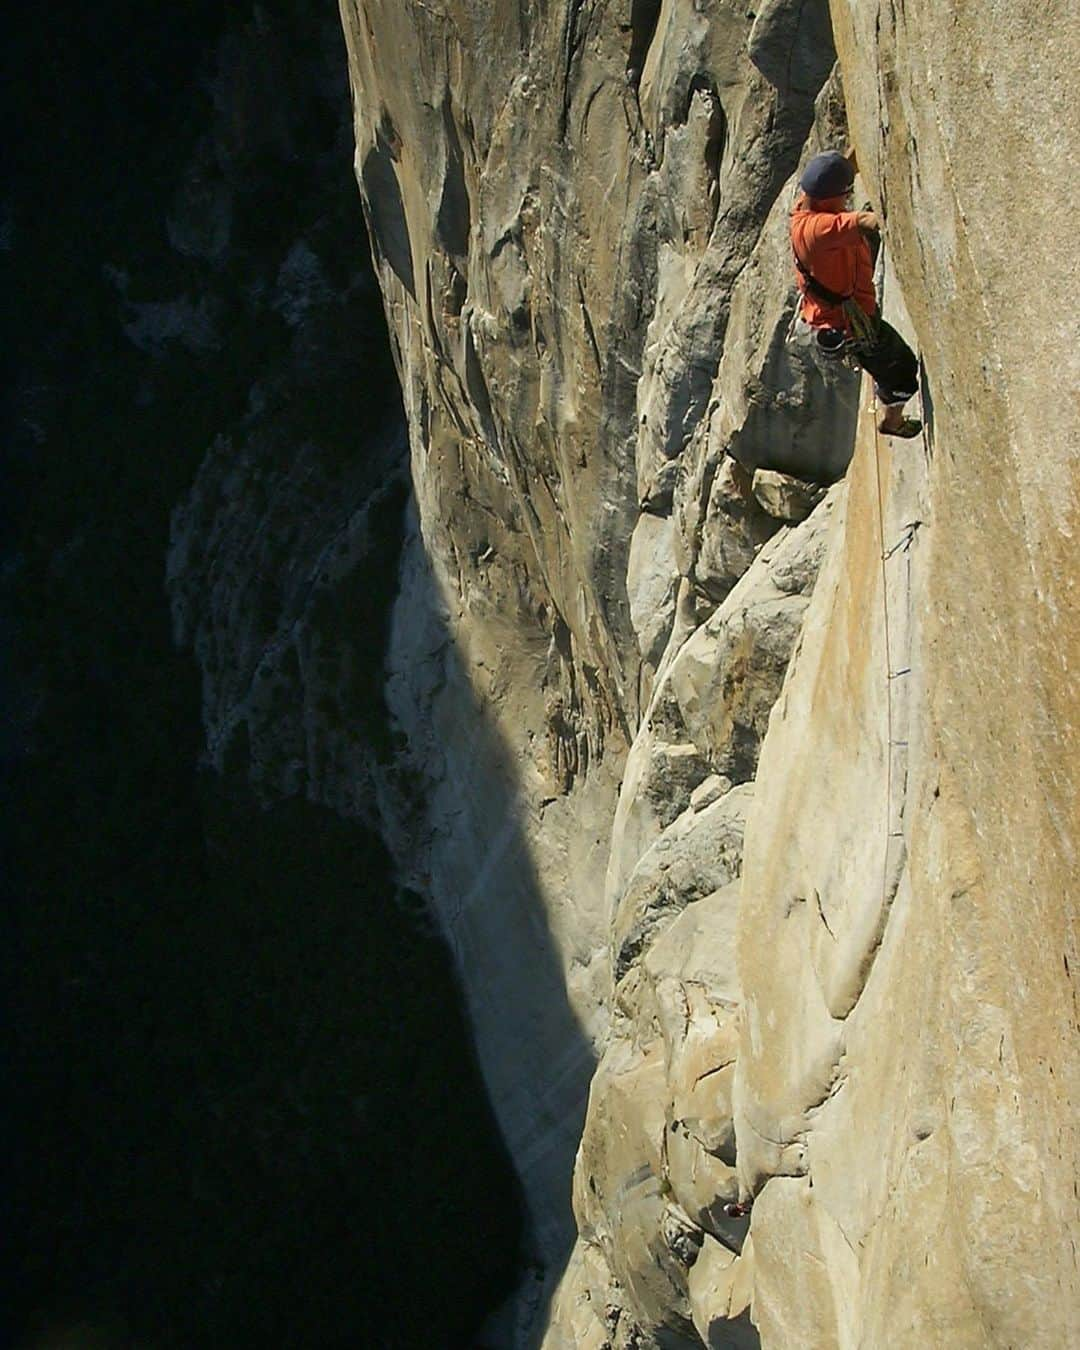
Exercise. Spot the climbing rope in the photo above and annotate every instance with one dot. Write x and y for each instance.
(892, 673)
(889, 674)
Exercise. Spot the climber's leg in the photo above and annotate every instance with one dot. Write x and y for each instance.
(895, 371)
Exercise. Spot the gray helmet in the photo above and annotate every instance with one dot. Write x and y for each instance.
(827, 175)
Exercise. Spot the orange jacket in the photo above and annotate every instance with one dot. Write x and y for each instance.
(830, 245)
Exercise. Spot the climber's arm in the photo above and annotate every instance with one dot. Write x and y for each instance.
(868, 222)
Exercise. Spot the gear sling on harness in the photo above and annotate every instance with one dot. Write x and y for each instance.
(831, 342)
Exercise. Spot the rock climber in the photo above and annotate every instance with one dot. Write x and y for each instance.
(835, 273)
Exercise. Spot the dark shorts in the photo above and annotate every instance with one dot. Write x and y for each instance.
(891, 362)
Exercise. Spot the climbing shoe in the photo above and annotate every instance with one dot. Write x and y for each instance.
(910, 426)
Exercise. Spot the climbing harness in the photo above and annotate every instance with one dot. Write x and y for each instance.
(832, 344)
(815, 287)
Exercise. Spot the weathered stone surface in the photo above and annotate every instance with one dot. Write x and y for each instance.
(675, 772)
(693, 997)
(657, 787)
(788, 1229)
(539, 956)
(975, 977)
(691, 971)
(785, 497)
(696, 855)
(651, 583)
(707, 792)
(586, 1308)
(734, 528)
(660, 491)
(791, 44)
(698, 948)
(619, 1190)
(721, 1284)
(727, 675)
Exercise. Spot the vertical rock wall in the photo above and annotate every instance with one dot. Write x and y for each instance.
(560, 205)
(762, 796)
(937, 1156)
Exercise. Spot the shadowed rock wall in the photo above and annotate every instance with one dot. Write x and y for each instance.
(243, 1106)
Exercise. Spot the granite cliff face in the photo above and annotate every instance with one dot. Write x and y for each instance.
(740, 758)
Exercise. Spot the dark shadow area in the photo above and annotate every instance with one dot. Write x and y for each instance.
(644, 16)
(815, 444)
(389, 226)
(243, 1109)
(250, 1110)
(454, 221)
(927, 400)
(536, 1057)
(458, 782)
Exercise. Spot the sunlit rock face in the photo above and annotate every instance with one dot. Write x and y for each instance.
(923, 828)
(752, 789)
